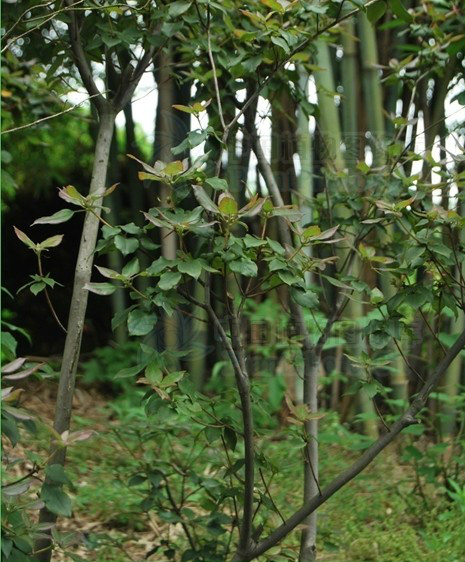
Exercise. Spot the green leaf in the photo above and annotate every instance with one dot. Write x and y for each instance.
(147, 176)
(71, 195)
(230, 437)
(363, 167)
(110, 231)
(376, 11)
(306, 299)
(337, 283)
(276, 264)
(36, 288)
(252, 241)
(132, 268)
(413, 254)
(196, 137)
(173, 168)
(159, 265)
(212, 434)
(310, 231)
(276, 246)
(376, 296)
(57, 218)
(400, 11)
(379, 340)
(140, 323)
(56, 500)
(183, 108)
(9, 343)
(321, 235)
(129, 372)
(51, 242)
(178, 8)
(281, 43)
(131, 228)
(217, 184)
(172, 379)
(417, 429)
(418, 296)
(119, 318)
(204, 199)
(110, 40)
(439, 248)
(153, 373)
(292, 214)
(24, 238)
(227, 205)
(393, 327)
(56, 473)
(244, 267)
(274, 5)
(108, 273)
(169, 280)
(101, 288)
(192, 268)
(289, 278)
(126, 245)
(373, 388)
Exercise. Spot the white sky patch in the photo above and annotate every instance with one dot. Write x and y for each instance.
(409, 130)
(419, 145)
(368, 155)
(455, 113)
(435, 177)
(144, 105)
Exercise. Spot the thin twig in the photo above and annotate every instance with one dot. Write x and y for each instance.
(215, 77)
(47, 296)
(276, 508)
(42, 119)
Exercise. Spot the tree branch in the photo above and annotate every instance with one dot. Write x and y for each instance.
(243, 385)
(247, 419)
(83, 65)
(48, 117)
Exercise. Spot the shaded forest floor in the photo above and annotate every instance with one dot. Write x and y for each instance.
(380, 517)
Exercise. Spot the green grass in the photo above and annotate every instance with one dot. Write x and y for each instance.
(377, 518)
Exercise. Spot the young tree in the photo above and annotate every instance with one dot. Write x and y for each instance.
(371, 216)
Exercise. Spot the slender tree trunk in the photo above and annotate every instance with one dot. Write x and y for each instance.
(115, 259)
(304, 148)
(78, 310)
(164, 137)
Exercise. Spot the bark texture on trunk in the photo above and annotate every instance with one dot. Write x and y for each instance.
(77, 311)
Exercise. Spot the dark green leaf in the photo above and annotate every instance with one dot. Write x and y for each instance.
(217, 184)
(56, 473)
(244, 267)
(140, 323)
(126, 245)
(56, 500)
(191, 267)
(230, 437)
(376, 11)
(169, 280)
